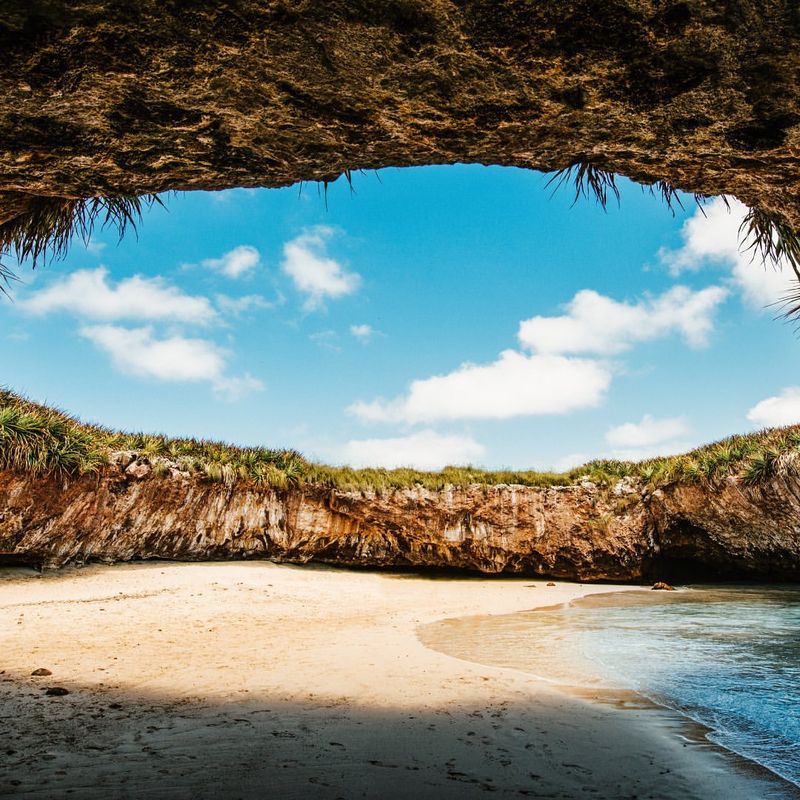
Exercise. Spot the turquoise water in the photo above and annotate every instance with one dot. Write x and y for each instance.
(727, 657)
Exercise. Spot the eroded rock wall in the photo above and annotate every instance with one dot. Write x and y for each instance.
(108, 96)
(578, 532)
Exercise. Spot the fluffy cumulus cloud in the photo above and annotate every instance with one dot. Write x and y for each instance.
(513, 385)
(782, 409)
(594, 323)
(140, 352)
(424, 449)
(671, 448)
(90, 294)
(362, 332)
(235, 263)
(101, 304)
(649, 431)
(567, 369)
(634, 441)
(711, 236)
(314, 273)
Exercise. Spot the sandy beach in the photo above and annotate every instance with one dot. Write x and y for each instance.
(252, 680)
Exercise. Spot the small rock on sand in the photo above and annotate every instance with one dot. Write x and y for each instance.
(41, 671)
(551, 583)
(56, 691)
(663, 587)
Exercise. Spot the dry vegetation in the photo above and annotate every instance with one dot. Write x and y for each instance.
(47, 226)
(42, 440)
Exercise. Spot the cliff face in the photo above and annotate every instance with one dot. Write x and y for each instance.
(127, 97)
(580, 532)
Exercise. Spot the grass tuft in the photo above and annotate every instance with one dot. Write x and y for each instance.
(45, 441)
(668, 194)
(771, 239)
(47, 226)
(588, 180)
(41, 440)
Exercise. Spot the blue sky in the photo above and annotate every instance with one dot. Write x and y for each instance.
(430, 316)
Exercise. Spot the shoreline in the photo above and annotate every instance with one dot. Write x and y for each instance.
(695, 730)
(223, 679)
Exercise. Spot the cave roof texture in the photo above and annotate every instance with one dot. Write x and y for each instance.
(104, 97)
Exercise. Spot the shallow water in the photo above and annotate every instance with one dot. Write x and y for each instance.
(727, 657)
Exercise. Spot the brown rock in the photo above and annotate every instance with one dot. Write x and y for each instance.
(139, 469)
(259, 93)
(41, 671)
(661, 586)
(56, 691)
(122, 458)
(551, 583)
(568, 532)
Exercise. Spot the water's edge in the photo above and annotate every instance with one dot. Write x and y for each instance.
(696, 731)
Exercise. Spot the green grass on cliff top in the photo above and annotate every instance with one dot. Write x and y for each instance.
(42, 440)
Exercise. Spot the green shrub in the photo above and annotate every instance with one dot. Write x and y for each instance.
(40, 440)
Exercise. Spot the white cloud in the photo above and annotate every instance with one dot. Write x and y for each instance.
(570, 461)
(137, 351)
(640, 453)
(714, 238)
(362, 332)
(553, 380)
(782, 409)
(649, 431)
(313, 272)
(234, 388)
(248, 302)
(514, 385)
(94, 247)
(671, 448)
(327, 340)
(235, 263)
(89, 293)
(225, 196)
(425, 449)
(598, 324)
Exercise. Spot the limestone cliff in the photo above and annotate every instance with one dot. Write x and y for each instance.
(622, 533)
(127, 97)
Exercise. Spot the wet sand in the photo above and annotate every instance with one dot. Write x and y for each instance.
(257, 681)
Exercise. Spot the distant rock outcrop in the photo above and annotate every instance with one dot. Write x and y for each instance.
(618, 533)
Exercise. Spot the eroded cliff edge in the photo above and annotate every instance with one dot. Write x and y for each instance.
(622, 532)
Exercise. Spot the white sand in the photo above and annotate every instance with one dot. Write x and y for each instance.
(263, 681)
